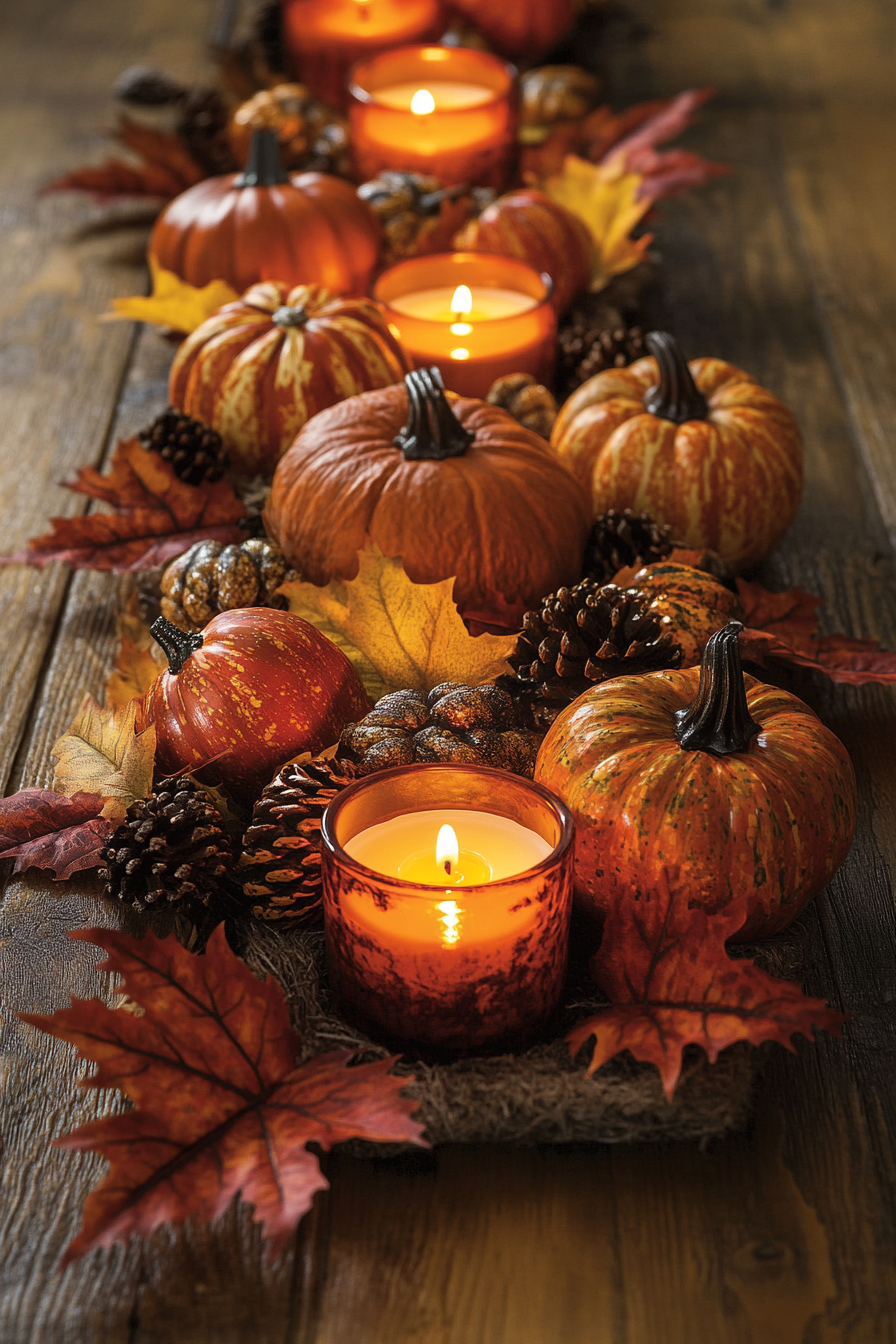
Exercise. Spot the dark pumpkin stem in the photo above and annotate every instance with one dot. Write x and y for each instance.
(433, 431)
(718, 720)
(177, 644)
(263, 167)
(289, 317)
(676, 396)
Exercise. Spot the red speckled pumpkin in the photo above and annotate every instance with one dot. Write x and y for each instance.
(695, 602)
(701, 447)
(255, 688)
(723, 786)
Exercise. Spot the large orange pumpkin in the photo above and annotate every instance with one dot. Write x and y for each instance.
(519, 28)
(258, 369)
(263, 224)
(705, 779)
(456, 488)
(701, 447)
(528, 225)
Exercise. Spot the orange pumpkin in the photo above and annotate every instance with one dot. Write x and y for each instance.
(259, 368)
(263, 224)
(695, 602)
(710, 780)
(520, 28)
(528, 225)
(456, 488)
(701, 447)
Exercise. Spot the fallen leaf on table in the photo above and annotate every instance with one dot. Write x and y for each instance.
(157, 516)
(41, 829)
(173, 303)
(606, 197)
(398, 634)
(792, 615)
(167, 168)
(221, 1108)
(135, 665)
(671, 984)
(101, 753)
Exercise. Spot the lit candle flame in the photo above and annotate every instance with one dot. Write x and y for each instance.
(447, 849)
(462, 301)
(423, 102)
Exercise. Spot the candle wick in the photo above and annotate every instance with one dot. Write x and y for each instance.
(448, 867)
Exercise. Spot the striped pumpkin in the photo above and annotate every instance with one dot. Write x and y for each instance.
(707, 780)
(259, 368)
(701, 447)
(530, 226)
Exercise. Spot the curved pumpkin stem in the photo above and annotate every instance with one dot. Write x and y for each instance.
(719, 720)
(177, 644)
(676, 397)
(433, 431)
(263, 167)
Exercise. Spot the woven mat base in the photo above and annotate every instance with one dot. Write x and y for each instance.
(541, 1095)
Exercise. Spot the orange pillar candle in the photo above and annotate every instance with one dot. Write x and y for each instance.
(325, 38)
(475, 315)
(444, 111)
(447, 893)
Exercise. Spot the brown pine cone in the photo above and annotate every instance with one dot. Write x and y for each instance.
(580, 637)
(527, 400)
(211, 577)
(620, 539)
(464, 725)
(195, 451)
(584, 349)
(203, 129)
(279, 869)
(171, 849)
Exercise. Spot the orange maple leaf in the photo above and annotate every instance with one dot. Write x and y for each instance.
(135, 667)
(221, 1109)
(157, 516)
(671, 984)
(164, 168)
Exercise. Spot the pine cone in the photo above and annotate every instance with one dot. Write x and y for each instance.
(279, 869)
(627, 538)
(211, 577)
(473, 725)
(203, 129)
(195, 451)
(585, 348)
(524, 397)
(171, 849)
(311, 137)
(580, 637)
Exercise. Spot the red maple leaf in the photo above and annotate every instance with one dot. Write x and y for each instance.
(164, 168)
(497, 616)
(671, 984)
(41, 829)
(221, 1108)
(157, 516)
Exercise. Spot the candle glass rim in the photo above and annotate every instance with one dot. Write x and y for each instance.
(458, 258)
(367, 98)
(423, 891)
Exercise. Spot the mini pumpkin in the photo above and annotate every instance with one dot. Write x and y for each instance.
(710, 780)
(457, 488)
(701, 447)
(553, 93)
(528, 225)
(309, 134)
(259, 368)
(694, 600)
(262, 224)
(254, 689)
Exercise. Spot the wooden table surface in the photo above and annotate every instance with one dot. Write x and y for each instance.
(787, 268)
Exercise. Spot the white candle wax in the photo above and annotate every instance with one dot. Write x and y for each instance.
(488, 304)
(446, 93)
(506, 847)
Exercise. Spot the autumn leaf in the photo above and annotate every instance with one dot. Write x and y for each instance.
(221, 1108)
(41, 829)
(606, 197)
(101, 753)
(398, 634)
(671, 984)
(497, 616)
(164, 168)
(791, 616)
(173, 303)
(157, 516)
(135, 667)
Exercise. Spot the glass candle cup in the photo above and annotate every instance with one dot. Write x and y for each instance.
(444, 963)
(325, 38)
(505, 324)
(449, 112)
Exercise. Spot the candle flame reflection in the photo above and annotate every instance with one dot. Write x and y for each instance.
(450, 921)
(423, 103)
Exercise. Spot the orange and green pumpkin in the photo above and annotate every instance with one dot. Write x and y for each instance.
(708, 780)
(694, 601)
(701, 447)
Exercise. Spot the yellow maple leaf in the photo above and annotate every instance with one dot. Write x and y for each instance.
(605, 196)
(398, 634)
(173, 303)
(136, 664)
(101, 753)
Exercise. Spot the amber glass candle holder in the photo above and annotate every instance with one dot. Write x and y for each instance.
(325, 38)
(471, 349)
(459, 969)
(464, 132)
